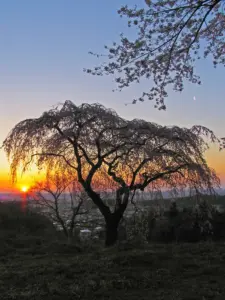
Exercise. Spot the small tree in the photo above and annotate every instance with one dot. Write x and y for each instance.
(61, 196)
(171, 36)
(91, 140)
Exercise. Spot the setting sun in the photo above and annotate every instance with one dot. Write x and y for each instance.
(24, 189)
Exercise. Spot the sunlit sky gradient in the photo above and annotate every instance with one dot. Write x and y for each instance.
(43, 49)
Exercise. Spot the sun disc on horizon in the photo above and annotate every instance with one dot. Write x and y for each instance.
(24, 188)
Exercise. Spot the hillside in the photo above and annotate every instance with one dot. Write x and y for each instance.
(181, 272)
(36, 262)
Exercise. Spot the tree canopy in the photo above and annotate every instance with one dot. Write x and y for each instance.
(98, 145)
(171, 36)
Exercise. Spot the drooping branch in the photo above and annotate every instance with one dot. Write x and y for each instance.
(148, 179)
(99, 147)
(46, 155)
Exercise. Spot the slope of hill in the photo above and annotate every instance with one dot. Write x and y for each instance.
(160, 272)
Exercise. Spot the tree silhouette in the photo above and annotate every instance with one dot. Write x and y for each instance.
(94, 142)
(171, 36)
(50, 195)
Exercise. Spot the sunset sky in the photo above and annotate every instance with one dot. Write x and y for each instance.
(43, 49)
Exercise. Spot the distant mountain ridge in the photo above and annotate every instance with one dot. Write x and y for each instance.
(221, 191)
(6, 196)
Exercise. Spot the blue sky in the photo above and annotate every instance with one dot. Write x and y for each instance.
(44, 47)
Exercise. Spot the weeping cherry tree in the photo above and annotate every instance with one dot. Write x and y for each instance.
(98, 145)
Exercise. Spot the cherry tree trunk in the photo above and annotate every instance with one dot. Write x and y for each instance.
(111, 234)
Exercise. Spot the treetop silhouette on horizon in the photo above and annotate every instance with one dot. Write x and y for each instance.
(98, 145)
(170, 37)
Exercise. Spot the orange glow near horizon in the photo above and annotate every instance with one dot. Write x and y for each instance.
(24, 182)
(27, 179)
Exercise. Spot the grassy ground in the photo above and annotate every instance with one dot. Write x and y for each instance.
(191, 271)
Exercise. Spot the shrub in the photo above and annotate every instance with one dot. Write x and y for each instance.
(199, 223)
(19, 229)
(13, 219)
